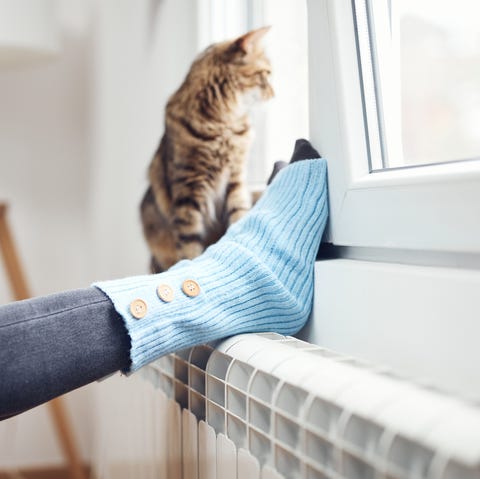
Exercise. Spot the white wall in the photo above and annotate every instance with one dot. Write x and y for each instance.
(43, 164)
(44, 161)
(76, 136)
(142, 52)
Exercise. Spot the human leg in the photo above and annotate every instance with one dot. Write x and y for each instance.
(258, 277)
(53, 344)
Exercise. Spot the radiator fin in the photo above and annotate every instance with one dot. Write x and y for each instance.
(271, 407)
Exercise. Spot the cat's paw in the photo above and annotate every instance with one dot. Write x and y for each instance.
(237, 215)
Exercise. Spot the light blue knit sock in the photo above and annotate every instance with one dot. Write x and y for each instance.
(258, 277)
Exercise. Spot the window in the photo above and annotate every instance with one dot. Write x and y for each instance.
(278, 123)
(426, 96)
(358, 107)
(402, 287)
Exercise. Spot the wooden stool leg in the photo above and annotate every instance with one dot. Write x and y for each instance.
(65, 436)
(15, 274)
(21, 291)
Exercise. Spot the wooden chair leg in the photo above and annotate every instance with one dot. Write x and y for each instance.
(21, 291)
(15, 274)
(65, 437)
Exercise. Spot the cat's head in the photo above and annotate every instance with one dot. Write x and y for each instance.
(239, 67)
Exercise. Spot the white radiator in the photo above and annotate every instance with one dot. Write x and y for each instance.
(271, 407)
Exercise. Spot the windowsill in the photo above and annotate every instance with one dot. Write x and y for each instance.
(421, 321)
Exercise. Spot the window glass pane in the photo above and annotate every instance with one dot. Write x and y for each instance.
(425, 56)
(286, 115)
(278, 122)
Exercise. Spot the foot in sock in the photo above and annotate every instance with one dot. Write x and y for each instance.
(258, 277)
(303, 151)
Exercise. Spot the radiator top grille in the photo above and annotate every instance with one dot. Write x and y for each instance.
(310, 413)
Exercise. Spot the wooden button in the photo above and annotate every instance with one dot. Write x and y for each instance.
(138, 308)
(165, 293)
(191, 288)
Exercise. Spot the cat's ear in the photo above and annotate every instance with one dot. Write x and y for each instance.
(248, 42)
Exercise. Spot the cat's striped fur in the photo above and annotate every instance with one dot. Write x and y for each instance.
(197, 176)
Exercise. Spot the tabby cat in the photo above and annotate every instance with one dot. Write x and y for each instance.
(197, 175)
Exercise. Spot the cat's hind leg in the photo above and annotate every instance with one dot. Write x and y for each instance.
(158, 234)
(238, 200)
(189, 225)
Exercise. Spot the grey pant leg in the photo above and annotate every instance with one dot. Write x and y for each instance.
(53, 344)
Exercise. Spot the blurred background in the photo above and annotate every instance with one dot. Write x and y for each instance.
(81, 114)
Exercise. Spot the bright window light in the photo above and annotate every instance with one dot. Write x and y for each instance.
(280, 121)
(425, 56)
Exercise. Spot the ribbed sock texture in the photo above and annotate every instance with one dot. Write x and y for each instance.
(258, 277)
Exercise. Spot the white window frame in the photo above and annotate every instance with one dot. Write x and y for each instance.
(434, 207)
(217, 20)
(401, 287)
